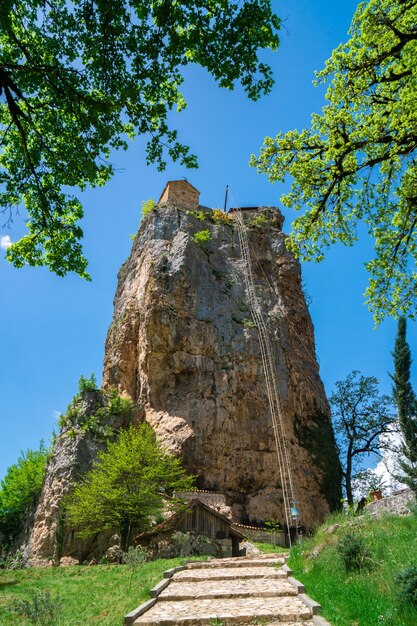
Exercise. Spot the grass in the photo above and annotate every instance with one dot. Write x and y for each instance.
(90, 594)
(269, 548)
(101, 595)
(362, 598)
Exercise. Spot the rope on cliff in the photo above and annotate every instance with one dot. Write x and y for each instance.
(281, 443)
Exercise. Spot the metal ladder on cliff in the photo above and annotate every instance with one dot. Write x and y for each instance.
(281, 443)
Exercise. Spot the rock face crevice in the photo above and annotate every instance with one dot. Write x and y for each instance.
(182, 344)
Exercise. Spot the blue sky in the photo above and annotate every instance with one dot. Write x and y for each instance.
(53, 329)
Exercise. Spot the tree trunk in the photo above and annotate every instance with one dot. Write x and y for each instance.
(348, 476)
(125, 535)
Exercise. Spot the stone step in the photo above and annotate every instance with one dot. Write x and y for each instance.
(251, 557)
(194, 575)
(230, 611)
(242, 588)
(309, 623)
(238, 562)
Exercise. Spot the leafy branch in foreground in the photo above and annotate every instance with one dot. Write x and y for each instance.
(357, 162)
(80, 78)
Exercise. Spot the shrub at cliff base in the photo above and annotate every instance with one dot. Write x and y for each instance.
(407, 585)
(354, 570)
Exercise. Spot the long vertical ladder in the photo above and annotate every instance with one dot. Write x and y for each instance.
(281, 443)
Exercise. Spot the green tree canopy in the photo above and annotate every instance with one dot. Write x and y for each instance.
(127, 485)
(406, 405)
(20, 489)
(357, 162)
(360, 416)
(80, 77)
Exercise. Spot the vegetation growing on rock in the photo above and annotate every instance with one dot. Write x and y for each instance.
(259, 221)
(99, 418)
(317, 437)
(201, 237)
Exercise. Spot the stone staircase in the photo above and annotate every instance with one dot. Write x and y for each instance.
(243, 590)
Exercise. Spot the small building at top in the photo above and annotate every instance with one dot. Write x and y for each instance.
(180, 193)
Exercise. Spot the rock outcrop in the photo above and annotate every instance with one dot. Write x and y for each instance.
(184, 347)
(182, 343)
(87, 426)
(398, 503)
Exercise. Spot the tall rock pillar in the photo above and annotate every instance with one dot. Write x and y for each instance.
(183, 344)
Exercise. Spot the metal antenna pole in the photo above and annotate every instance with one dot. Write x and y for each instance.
(225, 197)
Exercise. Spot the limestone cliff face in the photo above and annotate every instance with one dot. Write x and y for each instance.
(182, 344)
(71, 458)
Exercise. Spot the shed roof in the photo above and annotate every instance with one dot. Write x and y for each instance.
(232, 531)
(171, 522)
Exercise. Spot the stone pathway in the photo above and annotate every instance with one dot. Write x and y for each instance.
(239, 591)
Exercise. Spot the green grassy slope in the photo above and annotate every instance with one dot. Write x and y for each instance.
(368, 597)
(90, 595)
(101, 594)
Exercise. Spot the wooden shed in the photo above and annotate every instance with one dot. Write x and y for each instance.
(204, 520)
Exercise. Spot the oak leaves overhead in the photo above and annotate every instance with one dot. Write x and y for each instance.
(356, 164)
(79, 78)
